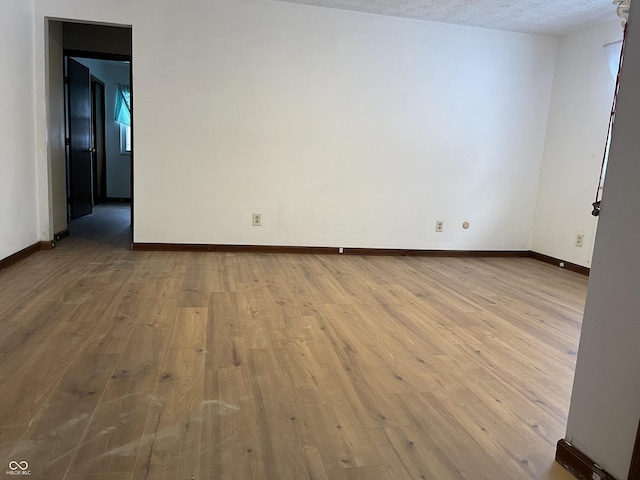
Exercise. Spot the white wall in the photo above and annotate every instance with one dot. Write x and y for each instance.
(118, 165)
(576, 133)
(18, 187)
(341, 128)
(605, 404)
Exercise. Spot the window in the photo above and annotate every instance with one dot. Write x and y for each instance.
(125, 139)
(123, 117)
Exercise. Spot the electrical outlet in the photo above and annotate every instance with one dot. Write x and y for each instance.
(439, 226)
(257, 219)
(579, 239)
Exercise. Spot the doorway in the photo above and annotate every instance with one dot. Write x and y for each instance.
(89, 170)
(99, 168)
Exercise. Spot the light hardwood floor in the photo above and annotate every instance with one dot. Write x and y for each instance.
(122, 365)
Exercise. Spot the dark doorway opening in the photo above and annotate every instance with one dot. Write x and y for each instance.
(96, 62)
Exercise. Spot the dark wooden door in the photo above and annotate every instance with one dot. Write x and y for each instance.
(98, 128)
(80, 149)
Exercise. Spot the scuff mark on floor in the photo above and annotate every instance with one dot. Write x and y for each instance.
(224, 407)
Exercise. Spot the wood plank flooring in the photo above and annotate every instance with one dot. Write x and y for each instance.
(120, 365)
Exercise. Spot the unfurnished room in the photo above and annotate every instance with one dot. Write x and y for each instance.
(319, 239)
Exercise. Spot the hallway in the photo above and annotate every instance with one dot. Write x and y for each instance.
(109, 224)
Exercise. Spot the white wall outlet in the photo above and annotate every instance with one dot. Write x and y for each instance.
(439, 226)
(579, 239)
(257, 219)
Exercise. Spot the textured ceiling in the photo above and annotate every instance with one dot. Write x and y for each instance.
(546, 17)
